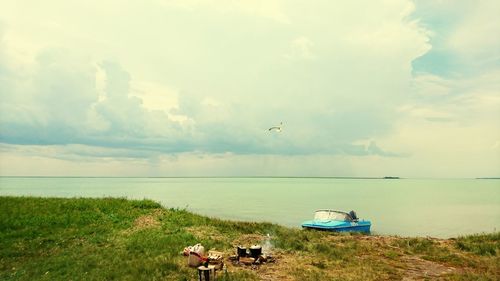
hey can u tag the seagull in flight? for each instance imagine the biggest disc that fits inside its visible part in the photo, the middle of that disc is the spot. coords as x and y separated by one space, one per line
277 128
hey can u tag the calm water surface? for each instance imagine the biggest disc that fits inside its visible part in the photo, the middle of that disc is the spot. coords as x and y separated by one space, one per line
406 207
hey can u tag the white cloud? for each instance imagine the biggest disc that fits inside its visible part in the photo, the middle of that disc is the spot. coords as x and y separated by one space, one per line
471 101
270 9
250 84
208 78
475 38
450 128
155 96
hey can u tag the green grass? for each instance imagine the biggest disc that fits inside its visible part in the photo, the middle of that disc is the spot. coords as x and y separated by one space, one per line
480 244
103 239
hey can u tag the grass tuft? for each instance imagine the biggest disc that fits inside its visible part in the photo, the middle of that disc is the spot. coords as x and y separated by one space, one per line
480 244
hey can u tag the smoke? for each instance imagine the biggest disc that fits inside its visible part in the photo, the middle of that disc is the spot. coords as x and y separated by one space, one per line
267 246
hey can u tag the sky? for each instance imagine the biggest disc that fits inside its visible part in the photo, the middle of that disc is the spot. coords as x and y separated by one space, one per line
190 88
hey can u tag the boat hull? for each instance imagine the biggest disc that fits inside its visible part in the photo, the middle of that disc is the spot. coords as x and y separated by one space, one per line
362 226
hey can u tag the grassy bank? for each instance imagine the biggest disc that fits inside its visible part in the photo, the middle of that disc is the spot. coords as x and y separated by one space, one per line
118 239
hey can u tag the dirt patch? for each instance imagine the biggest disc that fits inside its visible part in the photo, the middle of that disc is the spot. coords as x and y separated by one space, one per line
374 238
412 267
206 231
370 256
418 269
159 212
146 221
277 270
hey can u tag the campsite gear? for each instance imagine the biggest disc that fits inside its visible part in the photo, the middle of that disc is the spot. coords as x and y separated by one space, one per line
246 261
195 257
337 221
255 251
242 251
215 255
206 273
216 259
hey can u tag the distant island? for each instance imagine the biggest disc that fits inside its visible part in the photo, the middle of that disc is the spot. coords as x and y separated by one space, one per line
391 178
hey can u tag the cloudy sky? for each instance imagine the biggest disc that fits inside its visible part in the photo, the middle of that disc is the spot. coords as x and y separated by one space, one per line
190 88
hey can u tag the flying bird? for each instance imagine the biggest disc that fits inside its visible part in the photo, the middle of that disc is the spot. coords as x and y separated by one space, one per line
277 128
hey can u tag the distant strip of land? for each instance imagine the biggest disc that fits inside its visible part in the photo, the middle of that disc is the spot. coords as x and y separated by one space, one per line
119 239
204 177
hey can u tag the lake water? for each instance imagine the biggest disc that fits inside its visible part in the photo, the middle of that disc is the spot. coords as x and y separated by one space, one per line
406 207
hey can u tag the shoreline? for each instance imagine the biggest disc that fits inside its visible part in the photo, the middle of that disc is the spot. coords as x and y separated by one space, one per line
116 238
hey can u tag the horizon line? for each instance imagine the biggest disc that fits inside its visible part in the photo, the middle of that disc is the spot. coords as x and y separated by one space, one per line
283 177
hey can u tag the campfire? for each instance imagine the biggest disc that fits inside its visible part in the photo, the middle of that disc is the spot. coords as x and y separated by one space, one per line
214 263
252 255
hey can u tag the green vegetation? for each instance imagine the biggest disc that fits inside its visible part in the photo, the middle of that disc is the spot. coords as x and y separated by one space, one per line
484 245
118 239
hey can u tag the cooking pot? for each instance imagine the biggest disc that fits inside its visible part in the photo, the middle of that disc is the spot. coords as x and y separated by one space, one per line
242 251
255 251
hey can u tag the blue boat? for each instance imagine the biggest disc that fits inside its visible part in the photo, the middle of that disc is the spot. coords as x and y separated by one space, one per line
339 221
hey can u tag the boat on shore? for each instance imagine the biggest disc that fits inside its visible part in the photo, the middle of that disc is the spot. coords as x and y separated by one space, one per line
339 221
